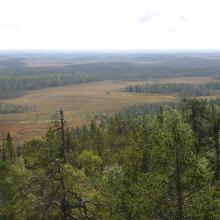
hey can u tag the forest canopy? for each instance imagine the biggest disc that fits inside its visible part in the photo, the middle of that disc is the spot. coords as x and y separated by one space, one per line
149 161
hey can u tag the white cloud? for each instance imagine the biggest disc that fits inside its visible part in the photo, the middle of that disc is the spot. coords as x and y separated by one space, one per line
109 24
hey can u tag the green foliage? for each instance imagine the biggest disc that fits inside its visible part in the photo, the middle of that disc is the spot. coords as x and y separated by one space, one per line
131 166
89 161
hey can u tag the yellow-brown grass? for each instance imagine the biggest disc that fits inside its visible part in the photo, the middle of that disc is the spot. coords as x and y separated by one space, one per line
77 101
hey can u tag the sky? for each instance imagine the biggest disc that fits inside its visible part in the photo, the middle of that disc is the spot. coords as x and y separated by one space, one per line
109 24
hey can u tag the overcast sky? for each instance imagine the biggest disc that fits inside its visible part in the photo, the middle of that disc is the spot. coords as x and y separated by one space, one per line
109 24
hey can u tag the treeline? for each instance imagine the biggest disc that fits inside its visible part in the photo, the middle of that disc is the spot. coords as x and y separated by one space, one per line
152 163
6 108
17 80
181 89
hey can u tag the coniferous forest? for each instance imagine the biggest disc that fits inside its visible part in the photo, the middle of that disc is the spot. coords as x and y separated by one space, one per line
180 89
18 74
147 162
109 110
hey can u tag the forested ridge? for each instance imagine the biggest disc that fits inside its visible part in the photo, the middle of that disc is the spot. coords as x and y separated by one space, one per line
16 77
149 162
15 82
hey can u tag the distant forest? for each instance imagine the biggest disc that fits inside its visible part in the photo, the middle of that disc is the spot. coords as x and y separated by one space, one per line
6 108
180 89
17 77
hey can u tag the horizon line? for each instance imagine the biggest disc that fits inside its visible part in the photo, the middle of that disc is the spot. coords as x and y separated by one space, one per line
106 50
